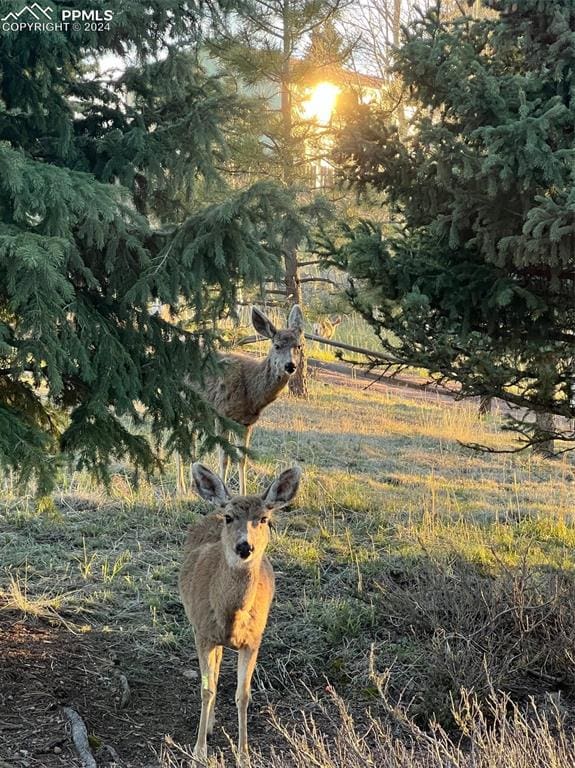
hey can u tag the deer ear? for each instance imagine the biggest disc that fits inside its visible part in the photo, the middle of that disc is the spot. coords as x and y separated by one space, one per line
283 489
262 324
209 486
295 319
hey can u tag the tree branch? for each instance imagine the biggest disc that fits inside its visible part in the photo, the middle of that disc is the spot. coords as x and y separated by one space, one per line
319 280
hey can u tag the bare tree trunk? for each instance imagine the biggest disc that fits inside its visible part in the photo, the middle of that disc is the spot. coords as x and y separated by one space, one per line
545 423
396 43
397 5
298 382
396 22
286 96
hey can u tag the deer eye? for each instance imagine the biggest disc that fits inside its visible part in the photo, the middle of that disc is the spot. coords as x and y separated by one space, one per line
229 519
263 520
276 346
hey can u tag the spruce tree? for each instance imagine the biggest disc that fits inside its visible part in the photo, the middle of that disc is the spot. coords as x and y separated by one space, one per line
280 49
476 280
99 213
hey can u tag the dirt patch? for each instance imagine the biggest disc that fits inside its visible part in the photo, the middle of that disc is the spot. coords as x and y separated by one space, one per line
343 375
411 387
44 668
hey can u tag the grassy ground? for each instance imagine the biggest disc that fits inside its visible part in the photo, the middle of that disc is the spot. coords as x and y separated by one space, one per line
410 568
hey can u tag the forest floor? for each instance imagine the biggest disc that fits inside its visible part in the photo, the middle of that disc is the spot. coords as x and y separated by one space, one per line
410 570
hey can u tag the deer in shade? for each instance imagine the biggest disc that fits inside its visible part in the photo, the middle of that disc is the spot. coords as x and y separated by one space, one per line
227 586
244 385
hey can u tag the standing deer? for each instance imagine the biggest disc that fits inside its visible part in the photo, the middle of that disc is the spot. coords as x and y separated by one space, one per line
326 327
246 386
227 586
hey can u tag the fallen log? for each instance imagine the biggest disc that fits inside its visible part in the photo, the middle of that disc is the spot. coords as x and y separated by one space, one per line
80 738
370 353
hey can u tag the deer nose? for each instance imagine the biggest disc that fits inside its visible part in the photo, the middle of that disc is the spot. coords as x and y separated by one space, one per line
290 367
244 549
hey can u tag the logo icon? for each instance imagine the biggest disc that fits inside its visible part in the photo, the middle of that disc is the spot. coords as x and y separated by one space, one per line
35 10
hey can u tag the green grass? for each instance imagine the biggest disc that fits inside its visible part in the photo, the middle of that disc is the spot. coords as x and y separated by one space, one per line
449 568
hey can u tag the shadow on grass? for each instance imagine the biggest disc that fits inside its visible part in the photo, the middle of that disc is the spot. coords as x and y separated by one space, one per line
344 451
439 626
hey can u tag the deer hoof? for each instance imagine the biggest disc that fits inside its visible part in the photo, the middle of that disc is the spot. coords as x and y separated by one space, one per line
200 755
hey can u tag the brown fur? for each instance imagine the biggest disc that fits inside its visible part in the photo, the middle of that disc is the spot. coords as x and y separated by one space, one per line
247 386
227 586
326 327
244 386
226 606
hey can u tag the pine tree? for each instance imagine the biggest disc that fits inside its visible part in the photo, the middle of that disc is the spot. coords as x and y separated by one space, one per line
281 47
475 281
99 212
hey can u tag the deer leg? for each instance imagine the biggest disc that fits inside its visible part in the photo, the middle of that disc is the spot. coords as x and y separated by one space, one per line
181 480
181 484
247 658
194 447
243 460
212 715
207 656
223 458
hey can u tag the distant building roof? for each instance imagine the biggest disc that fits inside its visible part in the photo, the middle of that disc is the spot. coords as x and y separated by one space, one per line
338 75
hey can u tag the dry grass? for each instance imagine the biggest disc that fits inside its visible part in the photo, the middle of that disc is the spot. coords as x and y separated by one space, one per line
448 568
47 604
494 734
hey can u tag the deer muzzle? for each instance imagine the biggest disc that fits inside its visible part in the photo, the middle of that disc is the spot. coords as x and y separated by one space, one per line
244 549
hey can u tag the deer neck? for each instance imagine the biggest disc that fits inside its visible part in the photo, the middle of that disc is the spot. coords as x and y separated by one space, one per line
266 385
238 586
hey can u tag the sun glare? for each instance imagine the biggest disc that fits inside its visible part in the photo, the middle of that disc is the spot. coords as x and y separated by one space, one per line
321 103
